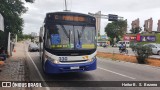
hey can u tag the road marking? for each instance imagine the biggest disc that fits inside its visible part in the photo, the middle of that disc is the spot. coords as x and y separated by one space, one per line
116 73
47 88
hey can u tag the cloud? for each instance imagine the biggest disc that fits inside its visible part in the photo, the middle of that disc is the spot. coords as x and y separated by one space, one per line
129 9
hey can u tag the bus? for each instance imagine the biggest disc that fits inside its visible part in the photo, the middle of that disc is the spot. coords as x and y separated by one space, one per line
68 43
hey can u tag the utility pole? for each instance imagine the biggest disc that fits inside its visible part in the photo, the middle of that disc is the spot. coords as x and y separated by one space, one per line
65 6
110 17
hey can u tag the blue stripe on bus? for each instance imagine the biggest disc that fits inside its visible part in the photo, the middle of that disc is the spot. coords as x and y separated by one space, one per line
64 68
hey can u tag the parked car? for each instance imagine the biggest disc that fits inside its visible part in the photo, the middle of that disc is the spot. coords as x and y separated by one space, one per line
155 48
33 47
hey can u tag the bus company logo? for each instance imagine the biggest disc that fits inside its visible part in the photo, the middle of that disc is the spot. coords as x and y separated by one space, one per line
6 84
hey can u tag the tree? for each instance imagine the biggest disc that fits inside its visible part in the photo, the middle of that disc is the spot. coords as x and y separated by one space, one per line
24 36
116 29
11 10
136 30
142 53
121 26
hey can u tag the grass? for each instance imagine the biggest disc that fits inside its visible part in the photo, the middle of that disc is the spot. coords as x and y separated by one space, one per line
127 58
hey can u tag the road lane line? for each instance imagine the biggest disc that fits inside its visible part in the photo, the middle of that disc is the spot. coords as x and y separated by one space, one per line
47 88
116 73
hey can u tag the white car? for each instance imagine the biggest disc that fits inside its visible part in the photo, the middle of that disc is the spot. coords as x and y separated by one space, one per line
33 47
155 48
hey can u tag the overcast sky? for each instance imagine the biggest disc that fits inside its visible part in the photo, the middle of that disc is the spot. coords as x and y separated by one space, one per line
129 9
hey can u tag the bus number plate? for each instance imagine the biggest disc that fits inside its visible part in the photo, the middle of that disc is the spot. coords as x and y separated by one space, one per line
74 67
62 59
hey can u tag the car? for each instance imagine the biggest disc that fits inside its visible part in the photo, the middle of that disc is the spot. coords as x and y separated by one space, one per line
33 47
155 47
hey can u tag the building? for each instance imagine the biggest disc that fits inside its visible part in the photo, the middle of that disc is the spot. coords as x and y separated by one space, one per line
158 28
135 23
148 24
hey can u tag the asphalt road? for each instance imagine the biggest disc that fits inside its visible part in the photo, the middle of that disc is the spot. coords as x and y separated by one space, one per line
107 70
116 50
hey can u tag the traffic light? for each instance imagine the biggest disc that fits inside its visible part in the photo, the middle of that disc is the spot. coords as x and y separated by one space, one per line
112 17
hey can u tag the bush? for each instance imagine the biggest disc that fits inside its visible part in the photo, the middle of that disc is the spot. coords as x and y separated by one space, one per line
142 53
133 46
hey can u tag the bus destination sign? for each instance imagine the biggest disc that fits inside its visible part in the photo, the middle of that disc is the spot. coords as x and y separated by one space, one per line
70 18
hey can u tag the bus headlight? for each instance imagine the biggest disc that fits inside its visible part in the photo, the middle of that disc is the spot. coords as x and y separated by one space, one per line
56 61
90 60
53 60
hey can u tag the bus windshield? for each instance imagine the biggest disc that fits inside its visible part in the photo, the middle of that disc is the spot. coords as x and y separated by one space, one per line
71 37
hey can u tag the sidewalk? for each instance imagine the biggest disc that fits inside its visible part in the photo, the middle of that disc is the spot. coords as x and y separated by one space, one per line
15 67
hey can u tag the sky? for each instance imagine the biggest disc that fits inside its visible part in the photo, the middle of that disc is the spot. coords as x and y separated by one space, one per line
128 9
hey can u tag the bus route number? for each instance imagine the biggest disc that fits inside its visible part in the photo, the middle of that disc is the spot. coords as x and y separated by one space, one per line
62 59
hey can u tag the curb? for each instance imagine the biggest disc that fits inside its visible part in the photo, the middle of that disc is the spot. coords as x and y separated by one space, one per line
130 55
130 62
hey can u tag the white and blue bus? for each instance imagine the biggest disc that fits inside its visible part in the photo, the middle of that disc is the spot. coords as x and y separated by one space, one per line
68 43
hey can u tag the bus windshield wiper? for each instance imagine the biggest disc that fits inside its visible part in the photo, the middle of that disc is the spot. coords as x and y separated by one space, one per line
68 35
82 31
65 31
80 34
78 37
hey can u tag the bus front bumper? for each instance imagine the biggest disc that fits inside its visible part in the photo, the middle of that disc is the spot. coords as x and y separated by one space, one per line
52 68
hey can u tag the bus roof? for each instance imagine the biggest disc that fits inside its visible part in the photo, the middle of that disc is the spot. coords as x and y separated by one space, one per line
67 13
64 12
67 18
